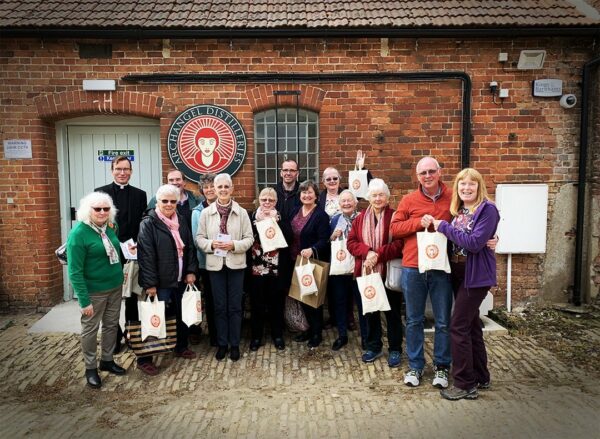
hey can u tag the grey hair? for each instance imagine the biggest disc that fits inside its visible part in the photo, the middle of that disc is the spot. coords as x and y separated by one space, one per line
167 189
84 212
348 191
332 169
437 164
225 177
378 185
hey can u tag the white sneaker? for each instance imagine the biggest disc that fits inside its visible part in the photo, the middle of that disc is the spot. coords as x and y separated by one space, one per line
440 377
412 378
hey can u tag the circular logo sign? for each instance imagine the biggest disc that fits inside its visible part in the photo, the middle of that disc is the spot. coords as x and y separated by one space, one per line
306 280
270 232
206 139
369 292
155 321
356 184
198 306
340 255
432 251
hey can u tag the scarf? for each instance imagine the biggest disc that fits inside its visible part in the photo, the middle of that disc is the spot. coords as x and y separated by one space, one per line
224 211
344 223
111 251
372 234
262 214
173 226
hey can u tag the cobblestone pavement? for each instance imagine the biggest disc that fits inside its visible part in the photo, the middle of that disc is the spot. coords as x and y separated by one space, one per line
293 393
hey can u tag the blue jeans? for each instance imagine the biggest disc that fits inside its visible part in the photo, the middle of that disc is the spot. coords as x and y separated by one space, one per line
417 286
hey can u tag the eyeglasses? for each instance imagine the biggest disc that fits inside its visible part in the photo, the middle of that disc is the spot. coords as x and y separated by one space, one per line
427 172
289 171
119 170
168 201
101 209
332 179
267 200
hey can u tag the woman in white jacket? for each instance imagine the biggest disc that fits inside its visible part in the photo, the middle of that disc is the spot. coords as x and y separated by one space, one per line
224 235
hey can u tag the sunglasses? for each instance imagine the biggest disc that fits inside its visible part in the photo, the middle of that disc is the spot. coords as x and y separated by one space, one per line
267 200
332 179
101 209
427 172
168 201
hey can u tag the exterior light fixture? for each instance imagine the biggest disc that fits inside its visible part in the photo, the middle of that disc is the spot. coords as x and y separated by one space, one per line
531 59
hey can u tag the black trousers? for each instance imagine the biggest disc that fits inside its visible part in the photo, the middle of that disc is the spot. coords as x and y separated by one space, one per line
266 298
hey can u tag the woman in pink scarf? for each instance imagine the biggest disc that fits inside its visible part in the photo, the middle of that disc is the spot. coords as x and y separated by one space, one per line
167 260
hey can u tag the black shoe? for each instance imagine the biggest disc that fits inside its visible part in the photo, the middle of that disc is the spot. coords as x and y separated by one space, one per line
93 379
213 343
339 343
221 352
303 336
112 367
255 344
234 355
314 341
279 343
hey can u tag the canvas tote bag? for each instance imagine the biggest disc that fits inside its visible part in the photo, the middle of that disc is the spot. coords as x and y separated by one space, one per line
358 182
152 317
191 305
342 262
372 292
433 254
270 235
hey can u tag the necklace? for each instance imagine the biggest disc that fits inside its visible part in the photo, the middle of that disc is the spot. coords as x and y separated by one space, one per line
305 212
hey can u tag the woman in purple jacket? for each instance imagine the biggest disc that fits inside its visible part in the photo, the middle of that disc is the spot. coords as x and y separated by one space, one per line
473 273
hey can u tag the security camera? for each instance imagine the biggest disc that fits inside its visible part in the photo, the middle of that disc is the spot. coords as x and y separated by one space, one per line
568 101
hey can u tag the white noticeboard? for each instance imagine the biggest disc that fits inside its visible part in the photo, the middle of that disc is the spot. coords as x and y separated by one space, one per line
523 221
523 218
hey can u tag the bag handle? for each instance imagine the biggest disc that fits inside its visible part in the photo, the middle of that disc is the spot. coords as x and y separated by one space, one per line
365 268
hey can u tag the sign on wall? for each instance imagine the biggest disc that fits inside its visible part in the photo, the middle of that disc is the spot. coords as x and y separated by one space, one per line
107 155
547 87
206 139
17 149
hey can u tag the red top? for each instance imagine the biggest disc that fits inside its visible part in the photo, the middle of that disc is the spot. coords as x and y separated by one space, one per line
407 219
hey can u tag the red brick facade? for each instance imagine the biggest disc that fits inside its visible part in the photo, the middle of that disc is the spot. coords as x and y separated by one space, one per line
520 140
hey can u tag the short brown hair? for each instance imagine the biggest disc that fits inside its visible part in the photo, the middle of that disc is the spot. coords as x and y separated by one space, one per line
120 158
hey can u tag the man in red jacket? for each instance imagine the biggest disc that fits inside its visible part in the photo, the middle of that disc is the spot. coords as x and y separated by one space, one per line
431 199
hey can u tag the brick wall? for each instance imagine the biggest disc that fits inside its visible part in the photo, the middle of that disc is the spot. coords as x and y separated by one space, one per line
523 139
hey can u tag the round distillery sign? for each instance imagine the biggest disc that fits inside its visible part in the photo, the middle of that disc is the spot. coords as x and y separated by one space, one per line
206 139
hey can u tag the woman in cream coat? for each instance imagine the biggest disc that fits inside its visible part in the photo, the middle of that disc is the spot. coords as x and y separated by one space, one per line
224 235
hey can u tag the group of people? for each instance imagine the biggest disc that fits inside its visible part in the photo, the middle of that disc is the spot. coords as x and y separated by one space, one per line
183 240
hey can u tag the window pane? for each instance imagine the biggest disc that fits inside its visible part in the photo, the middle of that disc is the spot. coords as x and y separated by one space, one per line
260 131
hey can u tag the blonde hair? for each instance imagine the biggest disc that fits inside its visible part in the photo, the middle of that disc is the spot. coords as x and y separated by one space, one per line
268 191
482 194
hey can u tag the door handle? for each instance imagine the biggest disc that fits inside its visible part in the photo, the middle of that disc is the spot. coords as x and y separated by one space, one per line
73 213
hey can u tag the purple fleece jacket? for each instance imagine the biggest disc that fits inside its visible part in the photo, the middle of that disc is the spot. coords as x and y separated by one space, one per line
480 269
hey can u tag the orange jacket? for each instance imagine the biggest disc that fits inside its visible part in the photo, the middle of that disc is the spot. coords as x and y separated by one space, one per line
406 221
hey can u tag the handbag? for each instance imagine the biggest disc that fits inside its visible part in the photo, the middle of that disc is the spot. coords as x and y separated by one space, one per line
191 306
152 345
294 316
61 254
152 317
393 278
432 251
358 182
321 275
270 235
372 292
131 271
342 262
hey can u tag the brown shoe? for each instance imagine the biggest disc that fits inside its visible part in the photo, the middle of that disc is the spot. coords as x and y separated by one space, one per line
187 354
148 368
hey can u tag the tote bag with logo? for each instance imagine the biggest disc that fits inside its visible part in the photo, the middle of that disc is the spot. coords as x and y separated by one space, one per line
270 235
342 262
433 254
152 317
372 292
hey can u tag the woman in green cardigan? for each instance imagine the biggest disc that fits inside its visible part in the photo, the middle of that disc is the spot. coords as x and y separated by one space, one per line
96 274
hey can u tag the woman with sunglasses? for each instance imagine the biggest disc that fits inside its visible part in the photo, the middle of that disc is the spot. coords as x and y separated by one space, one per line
96 274
167 260
267 292
225 235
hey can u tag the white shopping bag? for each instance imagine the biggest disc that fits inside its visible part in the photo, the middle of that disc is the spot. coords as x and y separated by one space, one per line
130 279
152 317
191 306
358 183
372 292
342 262
306 278
433 254
271 236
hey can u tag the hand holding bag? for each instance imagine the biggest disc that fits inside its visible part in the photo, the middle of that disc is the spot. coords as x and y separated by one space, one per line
270 235
433 254
372 292
358 183
191 306
152 317
321 275
342 262
393 278
306 278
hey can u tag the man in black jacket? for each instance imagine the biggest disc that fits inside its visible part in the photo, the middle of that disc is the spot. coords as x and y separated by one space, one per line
130 203
288 197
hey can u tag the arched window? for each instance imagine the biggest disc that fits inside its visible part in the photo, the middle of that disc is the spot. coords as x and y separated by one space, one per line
290 134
